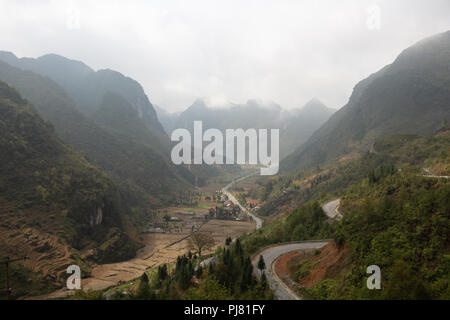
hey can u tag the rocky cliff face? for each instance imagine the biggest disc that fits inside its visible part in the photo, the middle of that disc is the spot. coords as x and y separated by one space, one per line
97 217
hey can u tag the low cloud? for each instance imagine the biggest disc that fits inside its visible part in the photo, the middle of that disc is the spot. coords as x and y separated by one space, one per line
283 51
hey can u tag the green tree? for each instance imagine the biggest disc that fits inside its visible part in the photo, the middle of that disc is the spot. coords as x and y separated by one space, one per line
143 291
162 273
261 264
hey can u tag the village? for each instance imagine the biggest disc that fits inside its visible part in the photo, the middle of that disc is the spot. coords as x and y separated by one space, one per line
194 211
166 233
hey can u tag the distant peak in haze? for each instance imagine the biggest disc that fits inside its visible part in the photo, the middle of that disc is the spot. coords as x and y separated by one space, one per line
62 62
7 55
314 104
198 104
263 104
205 103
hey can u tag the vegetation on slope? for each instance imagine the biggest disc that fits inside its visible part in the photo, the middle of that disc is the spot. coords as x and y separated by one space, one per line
400 223
229 278
63 195
395 216
142 170
307 222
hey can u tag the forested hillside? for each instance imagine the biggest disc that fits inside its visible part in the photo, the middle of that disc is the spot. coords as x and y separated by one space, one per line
396 216
53 203
134 159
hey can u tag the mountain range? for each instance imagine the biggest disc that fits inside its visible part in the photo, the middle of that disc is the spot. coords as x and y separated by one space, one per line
295 125
84 157
135 151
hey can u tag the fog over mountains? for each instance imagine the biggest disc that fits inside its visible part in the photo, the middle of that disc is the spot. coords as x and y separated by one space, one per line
85 157
86 86
124 138
296 125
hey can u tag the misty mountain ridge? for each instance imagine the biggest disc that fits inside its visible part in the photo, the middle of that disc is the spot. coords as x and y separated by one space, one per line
122 148
409 96
296 125
86 86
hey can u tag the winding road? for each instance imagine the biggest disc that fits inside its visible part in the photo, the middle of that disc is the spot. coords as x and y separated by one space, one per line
428 174
258 221
331 209
272 253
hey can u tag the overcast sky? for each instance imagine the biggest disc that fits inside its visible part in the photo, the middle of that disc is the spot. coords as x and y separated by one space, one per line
226 51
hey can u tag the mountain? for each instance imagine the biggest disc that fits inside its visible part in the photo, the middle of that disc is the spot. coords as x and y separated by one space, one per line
295 125
143 165
252 114
86 86
410 96
299 124
53 203
168 120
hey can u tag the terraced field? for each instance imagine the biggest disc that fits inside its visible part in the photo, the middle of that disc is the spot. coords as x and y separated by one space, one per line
31 233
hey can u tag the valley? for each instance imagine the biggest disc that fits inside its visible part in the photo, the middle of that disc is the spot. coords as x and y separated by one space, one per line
163 247
88 177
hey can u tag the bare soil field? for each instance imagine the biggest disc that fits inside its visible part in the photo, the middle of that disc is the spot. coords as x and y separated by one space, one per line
159 248
329 263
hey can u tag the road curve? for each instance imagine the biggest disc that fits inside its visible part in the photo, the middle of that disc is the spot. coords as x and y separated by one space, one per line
428 174
331 209
280 289
258 221
270 254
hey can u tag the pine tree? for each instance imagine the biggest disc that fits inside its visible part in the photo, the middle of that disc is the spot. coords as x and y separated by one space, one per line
162 273
263 280
261 264
143 291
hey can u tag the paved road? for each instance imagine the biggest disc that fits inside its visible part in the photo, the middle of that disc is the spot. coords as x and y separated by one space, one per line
281 291
331 209
428 174
236 202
